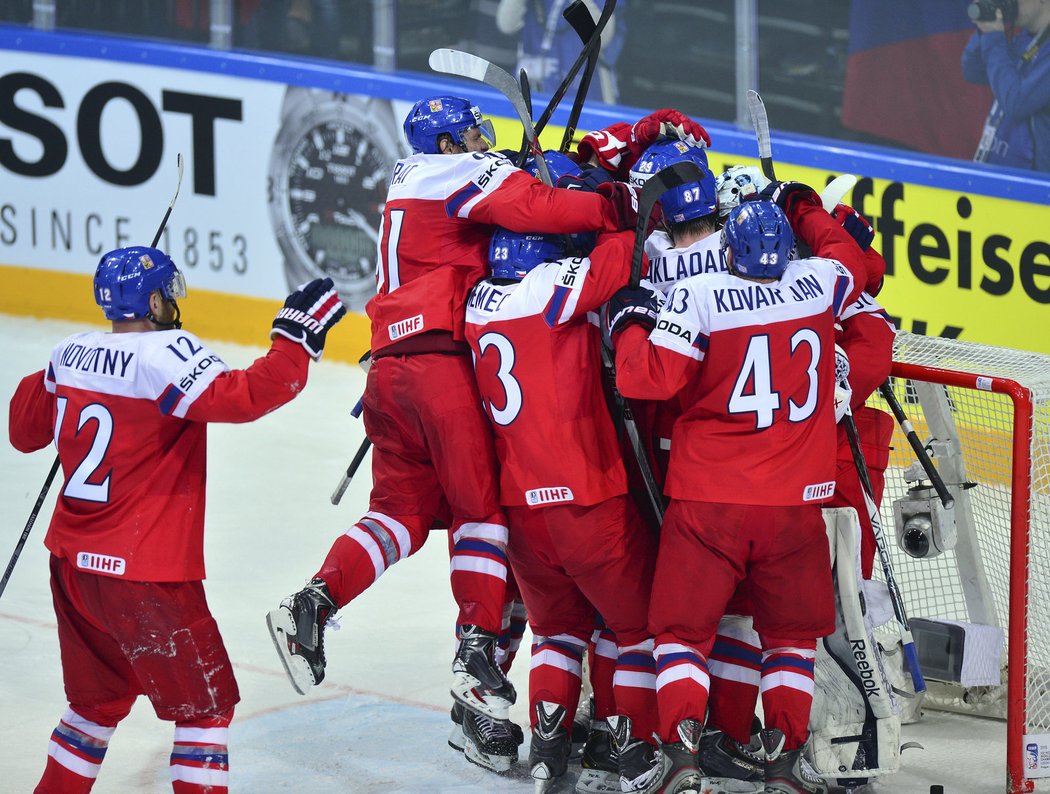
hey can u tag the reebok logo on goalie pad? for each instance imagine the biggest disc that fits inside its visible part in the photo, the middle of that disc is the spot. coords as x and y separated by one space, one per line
818 492
864 667
103 563
546 496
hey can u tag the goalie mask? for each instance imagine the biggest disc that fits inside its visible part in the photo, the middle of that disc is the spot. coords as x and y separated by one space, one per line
760 238
735 183
512 254
689 200
125 278
429 119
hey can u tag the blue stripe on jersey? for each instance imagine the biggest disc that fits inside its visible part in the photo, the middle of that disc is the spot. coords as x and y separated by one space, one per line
841 285
701 342
169 399
51 373
459 198
554 308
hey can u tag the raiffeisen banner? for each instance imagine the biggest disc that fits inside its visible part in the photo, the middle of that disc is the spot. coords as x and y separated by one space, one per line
286 165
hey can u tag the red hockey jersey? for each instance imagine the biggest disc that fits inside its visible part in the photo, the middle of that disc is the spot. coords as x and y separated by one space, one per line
436 228
128 411
536 351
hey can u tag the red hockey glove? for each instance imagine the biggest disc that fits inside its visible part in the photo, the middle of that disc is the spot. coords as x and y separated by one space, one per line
624 201
609 146
855 225
789 196
667 123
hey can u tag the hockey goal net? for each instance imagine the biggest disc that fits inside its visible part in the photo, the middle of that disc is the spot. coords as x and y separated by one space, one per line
985 414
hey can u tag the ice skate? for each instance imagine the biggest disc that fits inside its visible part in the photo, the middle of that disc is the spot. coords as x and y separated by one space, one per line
491 744
639 762
549 753
731 767
600 763
477 681
674 767
297 628
788 771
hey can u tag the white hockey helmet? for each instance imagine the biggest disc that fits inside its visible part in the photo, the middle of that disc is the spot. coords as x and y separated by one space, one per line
736 182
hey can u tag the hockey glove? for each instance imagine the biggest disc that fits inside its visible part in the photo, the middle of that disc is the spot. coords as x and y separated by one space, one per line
308 314
855 224
667 123
790 195
608 147
589 180
843 392
624 202
629 305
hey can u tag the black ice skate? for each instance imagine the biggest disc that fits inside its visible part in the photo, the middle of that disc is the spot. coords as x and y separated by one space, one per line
549 753
600 763
639 762
788 771
731 767
489 743
477 681
297 627
675 770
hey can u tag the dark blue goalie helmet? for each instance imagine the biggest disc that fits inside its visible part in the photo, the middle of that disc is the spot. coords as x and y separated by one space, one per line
430 118
689 200
513 254
125 278
759 236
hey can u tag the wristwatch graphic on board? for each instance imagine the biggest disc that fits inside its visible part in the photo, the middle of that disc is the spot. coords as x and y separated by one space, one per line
328 176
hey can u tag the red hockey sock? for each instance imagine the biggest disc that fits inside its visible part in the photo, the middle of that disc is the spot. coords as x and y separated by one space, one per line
603 668
361 555
199 756
75 754
736 669
634 687
556 674
787 690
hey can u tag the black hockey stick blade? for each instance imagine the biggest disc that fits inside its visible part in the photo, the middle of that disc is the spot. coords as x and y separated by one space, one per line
886 390
760 121
658 184
592 43
464 64
167 212
580 20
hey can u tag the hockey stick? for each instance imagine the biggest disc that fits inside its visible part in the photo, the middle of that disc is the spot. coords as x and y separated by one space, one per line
464 64
907 641
526 94
584 26
54 466
351 470
833 192
654 187
592 43
760 122
886 390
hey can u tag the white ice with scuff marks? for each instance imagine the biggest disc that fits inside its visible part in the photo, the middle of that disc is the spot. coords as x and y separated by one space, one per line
379 722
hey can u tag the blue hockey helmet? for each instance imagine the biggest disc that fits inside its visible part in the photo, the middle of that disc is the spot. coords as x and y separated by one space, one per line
689 200
760 238
429 119
558 163
513 254
125 278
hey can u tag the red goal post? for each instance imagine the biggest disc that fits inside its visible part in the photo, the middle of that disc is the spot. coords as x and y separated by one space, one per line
985 414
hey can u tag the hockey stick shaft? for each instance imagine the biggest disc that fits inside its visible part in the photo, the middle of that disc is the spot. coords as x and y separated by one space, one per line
907 641
351 470
886 390
593 42
658 184
29 525
54 466
760 121
464 64
526 93
584 26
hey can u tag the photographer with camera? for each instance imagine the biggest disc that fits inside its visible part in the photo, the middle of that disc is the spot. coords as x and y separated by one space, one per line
1017 131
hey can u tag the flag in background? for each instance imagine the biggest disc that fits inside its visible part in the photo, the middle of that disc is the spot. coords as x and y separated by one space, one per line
904 79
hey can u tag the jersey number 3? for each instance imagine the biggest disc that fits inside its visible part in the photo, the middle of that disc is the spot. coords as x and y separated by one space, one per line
754 392
78 486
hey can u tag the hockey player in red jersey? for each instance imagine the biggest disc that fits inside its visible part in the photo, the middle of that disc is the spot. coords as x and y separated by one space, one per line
433 461
752 354
577 542
128 411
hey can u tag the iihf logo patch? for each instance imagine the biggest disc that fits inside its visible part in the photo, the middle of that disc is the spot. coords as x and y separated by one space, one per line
435 105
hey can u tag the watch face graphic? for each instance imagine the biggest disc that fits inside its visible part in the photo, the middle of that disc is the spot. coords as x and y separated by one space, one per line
329 183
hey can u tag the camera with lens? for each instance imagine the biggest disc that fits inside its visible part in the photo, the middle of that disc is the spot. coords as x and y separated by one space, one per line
925 528
984 10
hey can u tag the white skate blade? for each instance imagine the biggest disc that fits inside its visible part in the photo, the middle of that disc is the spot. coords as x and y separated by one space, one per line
595 781
457 740
281 625
727 785
499 764
465 689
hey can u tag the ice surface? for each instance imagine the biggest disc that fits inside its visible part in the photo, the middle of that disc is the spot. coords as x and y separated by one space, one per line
379 721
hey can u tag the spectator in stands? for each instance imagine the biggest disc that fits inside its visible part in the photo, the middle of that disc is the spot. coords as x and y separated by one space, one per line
1017 132
548 45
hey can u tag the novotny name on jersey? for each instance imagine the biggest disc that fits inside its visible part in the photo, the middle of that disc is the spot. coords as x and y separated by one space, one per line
102 563
819 491
663 269
99 360
546 496
757 296
405 327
